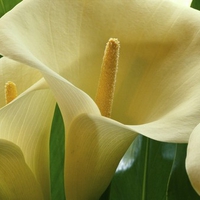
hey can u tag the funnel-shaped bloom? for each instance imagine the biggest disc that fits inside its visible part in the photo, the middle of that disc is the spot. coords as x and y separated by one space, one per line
157 91
26 121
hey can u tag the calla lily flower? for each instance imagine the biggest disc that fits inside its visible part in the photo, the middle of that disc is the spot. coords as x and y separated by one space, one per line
26 121
157 90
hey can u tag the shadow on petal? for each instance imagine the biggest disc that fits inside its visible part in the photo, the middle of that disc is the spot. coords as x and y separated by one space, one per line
94 147
16 179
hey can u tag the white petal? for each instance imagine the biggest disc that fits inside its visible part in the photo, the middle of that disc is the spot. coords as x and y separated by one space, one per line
16 179
183 2
193 159
26 122
94 147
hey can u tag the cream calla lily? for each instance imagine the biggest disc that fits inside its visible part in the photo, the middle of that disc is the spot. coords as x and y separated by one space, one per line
26 121
157 90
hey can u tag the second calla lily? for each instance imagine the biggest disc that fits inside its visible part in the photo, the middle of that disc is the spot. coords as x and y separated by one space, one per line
26 121
157 90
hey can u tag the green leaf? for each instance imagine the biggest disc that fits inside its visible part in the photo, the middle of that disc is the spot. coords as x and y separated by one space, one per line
57 142
145 172
195 4
179 186
6 5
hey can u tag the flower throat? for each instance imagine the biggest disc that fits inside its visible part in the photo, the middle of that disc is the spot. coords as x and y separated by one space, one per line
107 80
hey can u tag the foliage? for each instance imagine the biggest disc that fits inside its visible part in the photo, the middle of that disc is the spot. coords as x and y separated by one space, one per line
195 4
6 5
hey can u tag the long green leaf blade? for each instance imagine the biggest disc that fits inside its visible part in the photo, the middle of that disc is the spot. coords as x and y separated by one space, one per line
147 171
195 4
57 156
179 187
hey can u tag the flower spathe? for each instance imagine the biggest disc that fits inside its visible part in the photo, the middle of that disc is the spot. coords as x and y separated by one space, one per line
157 90
26 121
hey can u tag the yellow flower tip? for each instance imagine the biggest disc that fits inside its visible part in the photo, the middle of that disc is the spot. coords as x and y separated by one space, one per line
10 91
107 80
